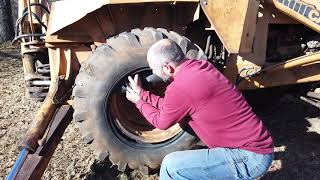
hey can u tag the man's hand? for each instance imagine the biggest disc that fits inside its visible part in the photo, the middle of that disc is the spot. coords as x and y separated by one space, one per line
134 88
135 83
131 95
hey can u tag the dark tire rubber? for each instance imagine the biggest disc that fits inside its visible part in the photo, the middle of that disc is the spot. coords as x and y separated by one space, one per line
105 67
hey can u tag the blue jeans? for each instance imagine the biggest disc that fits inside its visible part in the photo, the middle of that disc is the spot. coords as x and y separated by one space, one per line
215 163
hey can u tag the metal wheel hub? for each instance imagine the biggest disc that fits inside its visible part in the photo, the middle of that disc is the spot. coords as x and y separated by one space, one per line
132 123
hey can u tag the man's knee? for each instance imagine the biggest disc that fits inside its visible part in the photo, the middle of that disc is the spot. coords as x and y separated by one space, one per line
170 163
170 160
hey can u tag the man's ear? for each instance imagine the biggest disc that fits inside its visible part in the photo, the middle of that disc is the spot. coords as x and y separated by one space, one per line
168 68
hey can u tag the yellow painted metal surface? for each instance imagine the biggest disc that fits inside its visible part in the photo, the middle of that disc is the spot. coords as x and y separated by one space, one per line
299 70
301 74
303 12
234 21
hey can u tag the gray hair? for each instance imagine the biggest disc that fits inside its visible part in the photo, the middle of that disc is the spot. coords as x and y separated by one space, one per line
165 51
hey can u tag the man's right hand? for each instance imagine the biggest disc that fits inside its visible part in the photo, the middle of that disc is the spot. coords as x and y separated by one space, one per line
135 83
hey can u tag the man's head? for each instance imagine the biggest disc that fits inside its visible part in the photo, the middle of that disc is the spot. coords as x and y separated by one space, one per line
164 57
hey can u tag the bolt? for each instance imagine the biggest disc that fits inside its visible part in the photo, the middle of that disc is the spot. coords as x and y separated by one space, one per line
205 3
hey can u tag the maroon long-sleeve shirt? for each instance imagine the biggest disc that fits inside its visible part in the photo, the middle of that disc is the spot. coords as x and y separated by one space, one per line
220 116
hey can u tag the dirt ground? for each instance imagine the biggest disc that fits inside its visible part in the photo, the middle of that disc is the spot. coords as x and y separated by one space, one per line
294 125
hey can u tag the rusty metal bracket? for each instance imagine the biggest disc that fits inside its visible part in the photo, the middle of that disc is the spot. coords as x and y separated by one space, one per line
57 91
35 164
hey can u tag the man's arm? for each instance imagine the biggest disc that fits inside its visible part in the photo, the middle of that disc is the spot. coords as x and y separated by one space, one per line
136 87
174 106
154 100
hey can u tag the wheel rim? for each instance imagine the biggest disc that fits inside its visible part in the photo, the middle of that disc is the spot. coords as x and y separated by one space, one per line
130 121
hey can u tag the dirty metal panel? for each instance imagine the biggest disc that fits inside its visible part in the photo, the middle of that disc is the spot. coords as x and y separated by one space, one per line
234 21
114 19
64 13
258 56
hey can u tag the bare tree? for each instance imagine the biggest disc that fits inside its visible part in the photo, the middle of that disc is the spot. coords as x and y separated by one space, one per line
6 25
14 10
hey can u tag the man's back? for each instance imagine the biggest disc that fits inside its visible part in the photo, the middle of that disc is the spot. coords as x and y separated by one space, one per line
220 115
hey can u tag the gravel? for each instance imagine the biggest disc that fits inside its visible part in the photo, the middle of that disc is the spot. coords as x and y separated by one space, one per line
294 125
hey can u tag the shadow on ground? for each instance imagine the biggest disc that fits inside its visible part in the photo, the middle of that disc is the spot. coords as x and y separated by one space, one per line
105 170
9 51
4 55
295 128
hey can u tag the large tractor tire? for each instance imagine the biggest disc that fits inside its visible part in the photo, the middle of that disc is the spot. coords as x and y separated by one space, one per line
111 124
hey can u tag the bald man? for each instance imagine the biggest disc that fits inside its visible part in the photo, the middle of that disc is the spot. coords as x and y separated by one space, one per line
239 146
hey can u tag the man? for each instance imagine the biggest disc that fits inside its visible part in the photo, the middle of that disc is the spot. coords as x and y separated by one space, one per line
239 146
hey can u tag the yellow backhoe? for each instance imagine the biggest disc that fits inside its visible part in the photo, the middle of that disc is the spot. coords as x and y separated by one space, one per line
78 53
